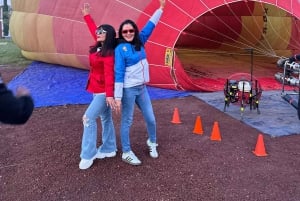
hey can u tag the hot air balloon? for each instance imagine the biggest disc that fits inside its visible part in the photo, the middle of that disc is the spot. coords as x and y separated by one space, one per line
196 44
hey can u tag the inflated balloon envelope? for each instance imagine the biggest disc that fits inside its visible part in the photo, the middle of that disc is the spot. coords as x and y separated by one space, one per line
203 40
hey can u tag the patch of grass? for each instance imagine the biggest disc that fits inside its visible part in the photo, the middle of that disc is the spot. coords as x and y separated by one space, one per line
10 54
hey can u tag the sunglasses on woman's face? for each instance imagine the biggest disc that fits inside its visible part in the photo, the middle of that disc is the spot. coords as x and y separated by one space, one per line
127 31
100 31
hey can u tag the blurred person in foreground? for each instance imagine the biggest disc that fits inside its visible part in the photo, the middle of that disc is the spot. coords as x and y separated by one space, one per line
15 109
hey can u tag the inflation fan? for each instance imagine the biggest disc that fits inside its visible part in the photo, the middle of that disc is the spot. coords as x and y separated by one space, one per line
243 89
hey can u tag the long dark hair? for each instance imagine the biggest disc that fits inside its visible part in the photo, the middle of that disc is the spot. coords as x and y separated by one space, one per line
136 40
109 44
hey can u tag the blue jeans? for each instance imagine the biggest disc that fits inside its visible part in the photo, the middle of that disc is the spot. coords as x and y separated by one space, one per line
97 108
131 96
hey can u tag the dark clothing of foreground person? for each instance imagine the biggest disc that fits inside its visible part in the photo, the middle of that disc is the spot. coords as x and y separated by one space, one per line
15 109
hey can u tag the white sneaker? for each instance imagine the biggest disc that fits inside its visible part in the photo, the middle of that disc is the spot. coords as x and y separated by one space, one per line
86 163
102 155
152 148
129 157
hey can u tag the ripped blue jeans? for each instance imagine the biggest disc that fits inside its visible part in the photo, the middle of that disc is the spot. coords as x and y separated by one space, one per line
97 108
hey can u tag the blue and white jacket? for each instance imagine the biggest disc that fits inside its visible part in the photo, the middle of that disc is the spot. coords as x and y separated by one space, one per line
131 66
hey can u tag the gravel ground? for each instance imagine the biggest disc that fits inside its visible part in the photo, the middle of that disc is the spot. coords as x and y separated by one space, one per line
39 160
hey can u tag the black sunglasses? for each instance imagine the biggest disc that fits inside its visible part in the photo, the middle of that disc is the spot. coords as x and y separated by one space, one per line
128 31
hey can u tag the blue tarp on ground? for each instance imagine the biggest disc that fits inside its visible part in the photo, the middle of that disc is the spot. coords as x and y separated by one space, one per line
53 85
277 117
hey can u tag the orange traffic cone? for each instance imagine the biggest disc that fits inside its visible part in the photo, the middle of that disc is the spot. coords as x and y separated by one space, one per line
260 146
215 134
198 126
176 117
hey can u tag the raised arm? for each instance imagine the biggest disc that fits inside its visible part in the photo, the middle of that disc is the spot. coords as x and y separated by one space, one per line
89 20
149 27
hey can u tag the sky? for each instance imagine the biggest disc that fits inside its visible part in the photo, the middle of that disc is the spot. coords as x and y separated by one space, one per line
2 2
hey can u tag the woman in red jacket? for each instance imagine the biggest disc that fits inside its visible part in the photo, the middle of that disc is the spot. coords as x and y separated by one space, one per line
101 84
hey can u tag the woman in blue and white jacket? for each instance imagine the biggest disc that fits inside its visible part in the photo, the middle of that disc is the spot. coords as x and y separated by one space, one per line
131 74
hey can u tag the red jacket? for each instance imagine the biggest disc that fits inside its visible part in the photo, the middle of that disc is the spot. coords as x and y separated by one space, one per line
101 76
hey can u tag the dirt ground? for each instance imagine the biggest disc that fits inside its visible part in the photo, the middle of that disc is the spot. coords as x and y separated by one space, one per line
39 160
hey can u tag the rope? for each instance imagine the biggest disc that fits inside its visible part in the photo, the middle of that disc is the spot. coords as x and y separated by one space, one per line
220 33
